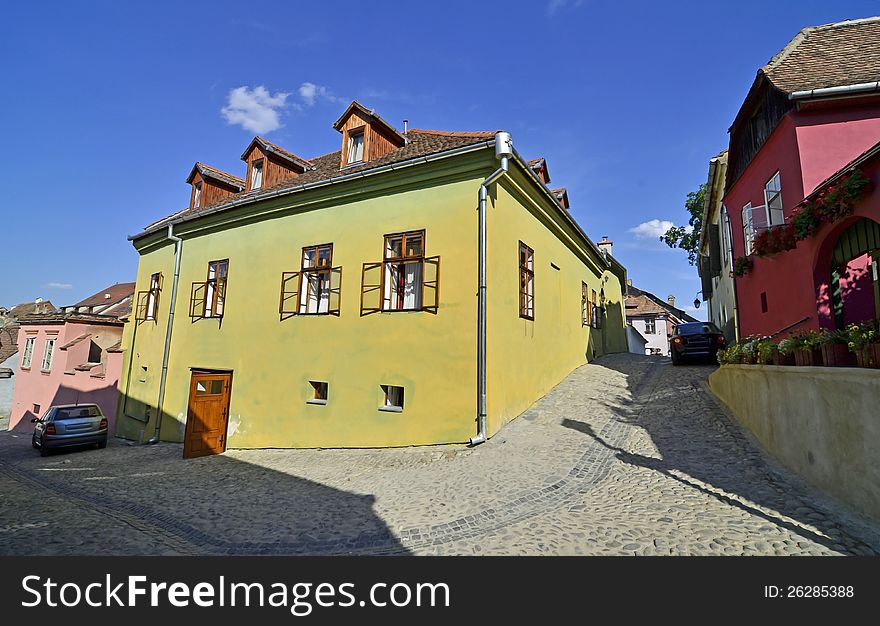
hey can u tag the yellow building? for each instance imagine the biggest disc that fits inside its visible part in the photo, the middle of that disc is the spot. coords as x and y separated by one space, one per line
338 301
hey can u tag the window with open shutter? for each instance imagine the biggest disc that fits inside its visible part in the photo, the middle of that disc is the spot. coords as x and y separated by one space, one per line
140 312
335 291
289 303
197 301
431 284
371 288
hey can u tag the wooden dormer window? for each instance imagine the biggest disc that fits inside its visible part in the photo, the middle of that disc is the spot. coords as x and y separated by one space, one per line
365 135
256 175
355 146
210 185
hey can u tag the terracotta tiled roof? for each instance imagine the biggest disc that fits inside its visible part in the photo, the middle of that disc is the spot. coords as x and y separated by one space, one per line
843 53
642 305
8 341
29 308
421 143
479 134
270 147
117 293
212 172
60 318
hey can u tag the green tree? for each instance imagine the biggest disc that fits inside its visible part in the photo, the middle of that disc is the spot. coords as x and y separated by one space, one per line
688 237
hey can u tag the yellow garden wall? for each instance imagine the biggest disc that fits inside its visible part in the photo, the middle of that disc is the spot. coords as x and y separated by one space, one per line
821 422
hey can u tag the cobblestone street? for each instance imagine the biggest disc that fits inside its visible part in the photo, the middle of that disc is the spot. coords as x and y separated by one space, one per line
627 456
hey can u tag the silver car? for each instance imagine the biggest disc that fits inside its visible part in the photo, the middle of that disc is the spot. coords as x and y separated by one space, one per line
69 425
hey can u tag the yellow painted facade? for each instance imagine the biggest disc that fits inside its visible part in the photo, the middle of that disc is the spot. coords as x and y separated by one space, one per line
433 356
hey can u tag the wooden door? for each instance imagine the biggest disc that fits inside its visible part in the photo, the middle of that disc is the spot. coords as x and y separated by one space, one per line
208 414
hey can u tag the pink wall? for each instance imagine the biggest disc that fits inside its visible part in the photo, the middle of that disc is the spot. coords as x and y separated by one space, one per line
806 148
828 140
63 384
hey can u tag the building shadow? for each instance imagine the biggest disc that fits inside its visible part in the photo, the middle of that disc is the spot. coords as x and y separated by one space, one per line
712 456
218 505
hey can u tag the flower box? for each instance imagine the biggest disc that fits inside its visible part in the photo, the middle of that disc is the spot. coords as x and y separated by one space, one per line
807 356
869 356
837 355
782 359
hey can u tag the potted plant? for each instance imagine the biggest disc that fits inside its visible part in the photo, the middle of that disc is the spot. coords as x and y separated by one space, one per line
835 352
764 349
748 350
784 353
806 348
729 355
863 340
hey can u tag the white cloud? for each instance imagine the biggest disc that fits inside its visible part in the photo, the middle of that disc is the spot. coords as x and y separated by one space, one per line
256 110
58 286
652 229
555 5
310 93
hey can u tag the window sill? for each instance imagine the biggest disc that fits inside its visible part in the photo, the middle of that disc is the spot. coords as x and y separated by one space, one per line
42 371
316 401
391 409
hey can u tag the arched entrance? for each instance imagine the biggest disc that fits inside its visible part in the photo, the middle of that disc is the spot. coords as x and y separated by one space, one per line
855 263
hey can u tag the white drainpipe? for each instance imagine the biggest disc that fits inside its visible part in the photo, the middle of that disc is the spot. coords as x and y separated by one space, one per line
178 245
503 150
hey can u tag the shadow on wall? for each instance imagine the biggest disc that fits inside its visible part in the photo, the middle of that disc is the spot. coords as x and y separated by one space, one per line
709 459
105 397
223 504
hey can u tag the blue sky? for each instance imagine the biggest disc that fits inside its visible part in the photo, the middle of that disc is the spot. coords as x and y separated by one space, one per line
107 105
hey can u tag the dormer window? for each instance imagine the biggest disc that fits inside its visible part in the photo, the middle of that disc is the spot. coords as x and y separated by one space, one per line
365 136
197 198
355 146
257 175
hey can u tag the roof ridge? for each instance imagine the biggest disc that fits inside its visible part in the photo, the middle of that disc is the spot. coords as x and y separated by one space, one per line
284 152
454 133
217 169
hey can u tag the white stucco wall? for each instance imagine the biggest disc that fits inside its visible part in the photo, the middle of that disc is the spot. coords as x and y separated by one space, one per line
7 385
722 303
657 340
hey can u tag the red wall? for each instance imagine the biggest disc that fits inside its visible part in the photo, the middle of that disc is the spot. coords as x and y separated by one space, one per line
806 148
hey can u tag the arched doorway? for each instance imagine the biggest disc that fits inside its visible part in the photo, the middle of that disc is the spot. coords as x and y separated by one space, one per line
855 264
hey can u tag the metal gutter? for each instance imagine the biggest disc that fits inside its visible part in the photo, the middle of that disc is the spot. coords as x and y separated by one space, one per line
842 90
178 245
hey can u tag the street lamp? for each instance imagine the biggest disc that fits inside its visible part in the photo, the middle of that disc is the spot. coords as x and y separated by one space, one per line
697 299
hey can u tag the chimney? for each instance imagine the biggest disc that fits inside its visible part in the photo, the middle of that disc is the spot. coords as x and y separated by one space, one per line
406 130
605 245
671 300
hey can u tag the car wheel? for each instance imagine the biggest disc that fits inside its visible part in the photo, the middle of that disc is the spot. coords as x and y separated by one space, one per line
676 360
44 451
102 444
34 441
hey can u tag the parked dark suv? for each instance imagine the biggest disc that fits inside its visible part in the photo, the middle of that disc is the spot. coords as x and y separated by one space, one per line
69 425
696 340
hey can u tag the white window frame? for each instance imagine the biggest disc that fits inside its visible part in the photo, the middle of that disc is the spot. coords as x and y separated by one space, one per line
27 356
48 355
356 150
653 326
748 229
257 174
771 194
726 240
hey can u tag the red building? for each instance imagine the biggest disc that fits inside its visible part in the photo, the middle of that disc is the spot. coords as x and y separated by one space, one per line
809 127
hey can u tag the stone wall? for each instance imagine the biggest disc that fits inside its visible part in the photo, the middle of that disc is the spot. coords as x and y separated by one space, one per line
821 422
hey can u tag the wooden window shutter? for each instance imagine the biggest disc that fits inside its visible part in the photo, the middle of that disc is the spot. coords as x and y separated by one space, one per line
371 288
714 250
288 305
197 301
335 294
143 299
705 278
431 284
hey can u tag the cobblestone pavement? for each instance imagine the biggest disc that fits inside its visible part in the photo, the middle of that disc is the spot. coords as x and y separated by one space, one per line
627 456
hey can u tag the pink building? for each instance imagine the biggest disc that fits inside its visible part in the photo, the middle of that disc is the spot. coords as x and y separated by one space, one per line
71 356
810 122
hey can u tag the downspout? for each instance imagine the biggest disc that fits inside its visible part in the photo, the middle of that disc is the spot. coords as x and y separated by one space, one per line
503 150
178 245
